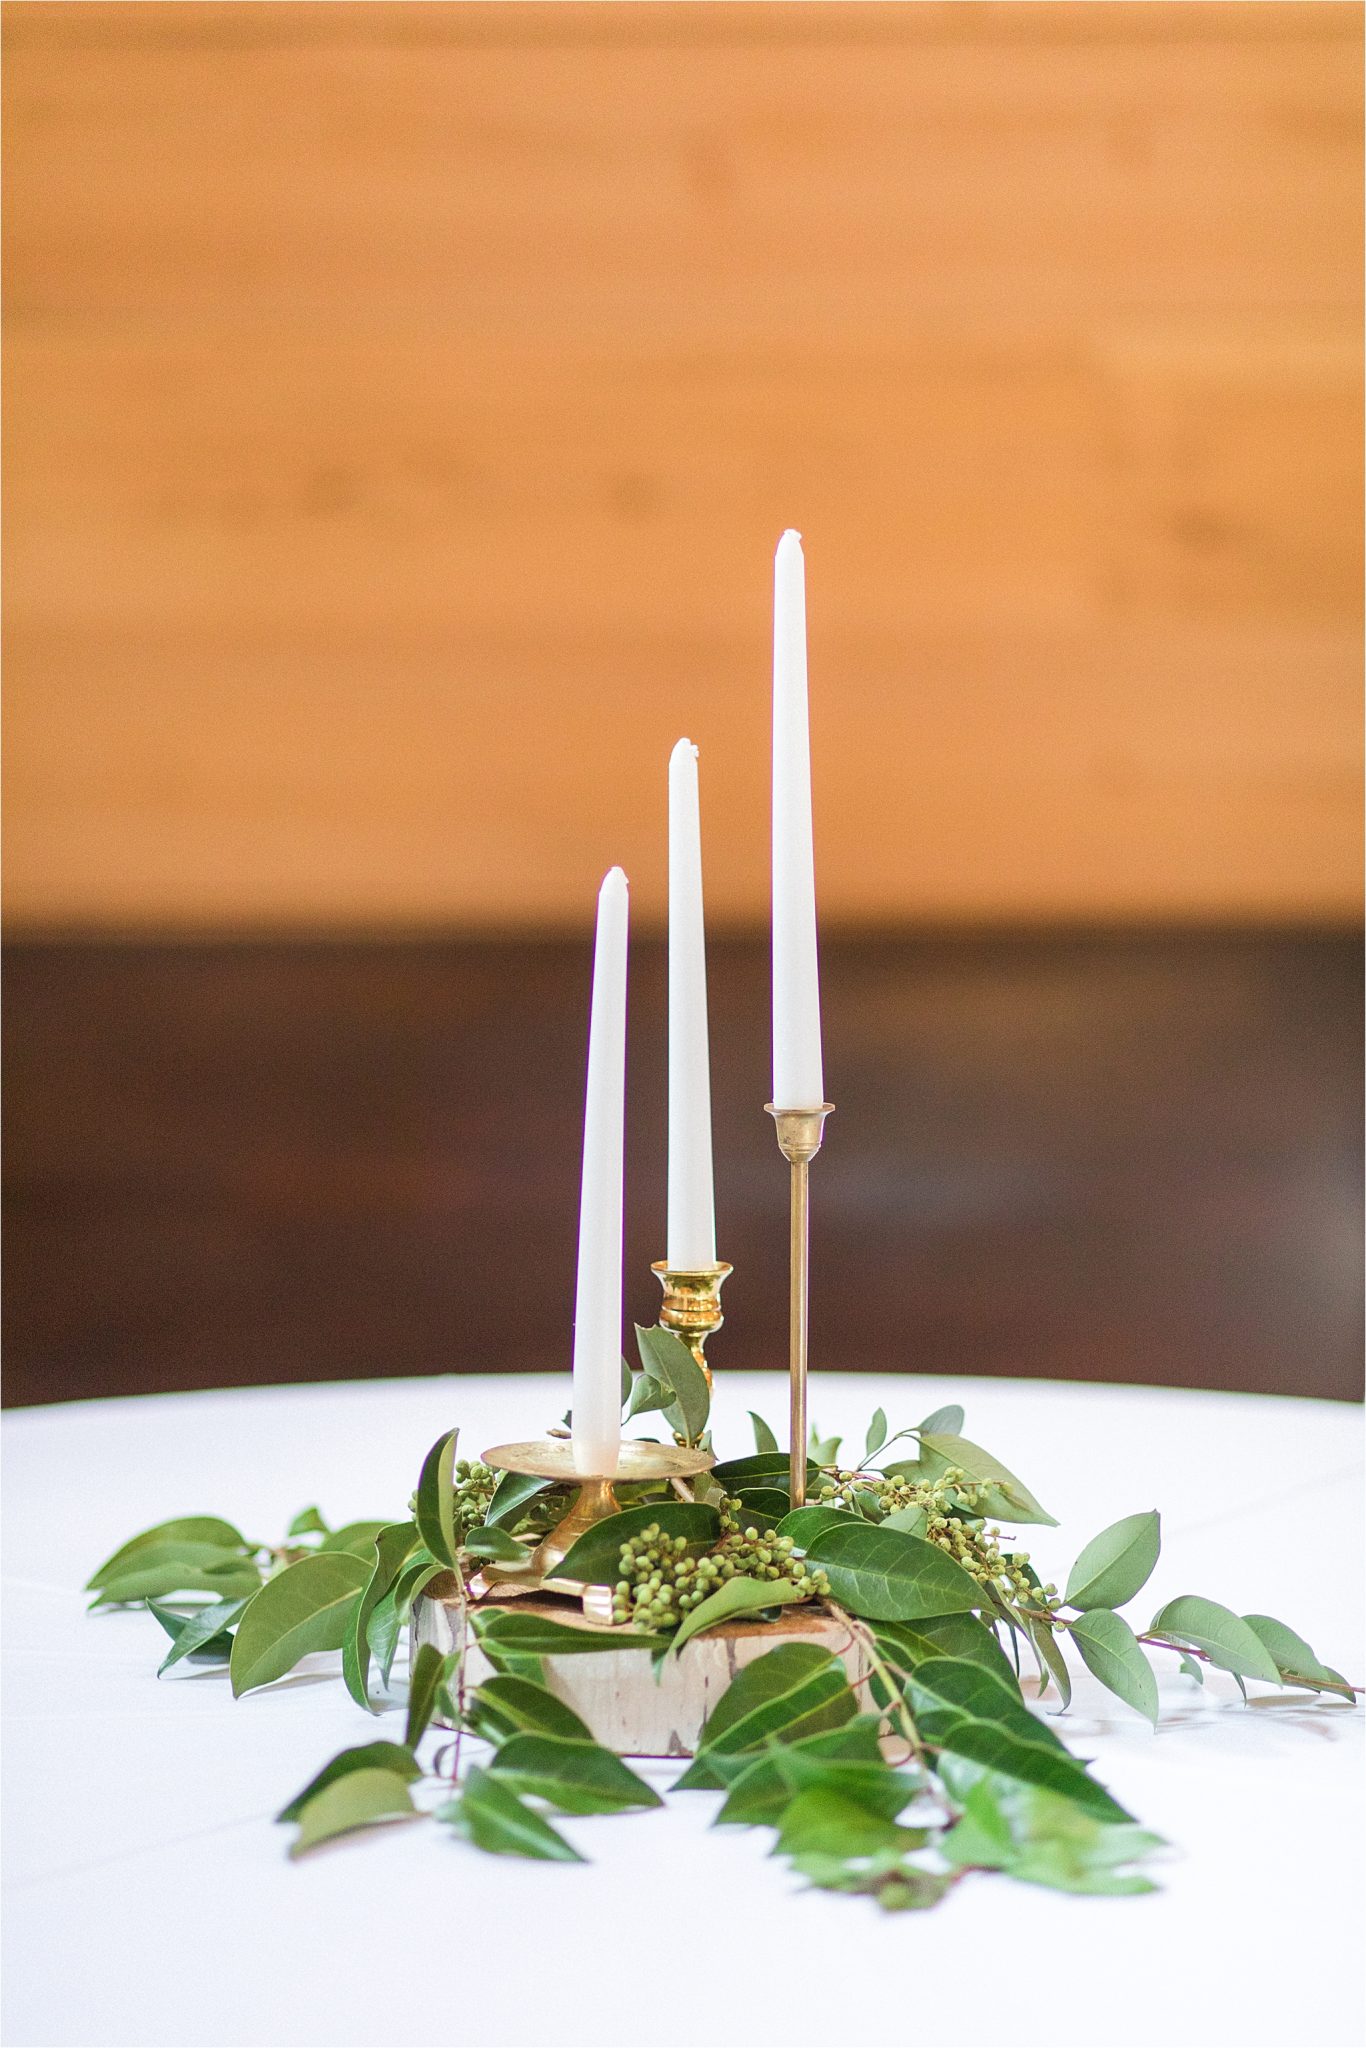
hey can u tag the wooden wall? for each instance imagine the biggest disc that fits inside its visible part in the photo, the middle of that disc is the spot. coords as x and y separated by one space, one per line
1124 1156
403 402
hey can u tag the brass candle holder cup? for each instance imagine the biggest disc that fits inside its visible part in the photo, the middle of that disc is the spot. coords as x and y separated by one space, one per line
692 1303
800 1132
553 1458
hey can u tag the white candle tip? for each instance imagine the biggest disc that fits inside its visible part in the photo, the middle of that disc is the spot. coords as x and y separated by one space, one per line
682 751
614 879
791 541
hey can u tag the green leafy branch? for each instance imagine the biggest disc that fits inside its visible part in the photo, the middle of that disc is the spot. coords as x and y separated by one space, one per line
893 1779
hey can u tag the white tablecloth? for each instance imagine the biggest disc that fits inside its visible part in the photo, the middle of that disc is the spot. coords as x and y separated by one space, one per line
149 1900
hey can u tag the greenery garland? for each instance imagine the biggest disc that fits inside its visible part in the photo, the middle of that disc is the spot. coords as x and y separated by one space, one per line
898 1787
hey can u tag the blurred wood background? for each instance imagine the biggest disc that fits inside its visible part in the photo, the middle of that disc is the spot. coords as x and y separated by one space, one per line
403 403
1084 1155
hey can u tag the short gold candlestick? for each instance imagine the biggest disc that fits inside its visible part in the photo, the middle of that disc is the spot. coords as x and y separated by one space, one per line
800 1132
692 1303
553 1458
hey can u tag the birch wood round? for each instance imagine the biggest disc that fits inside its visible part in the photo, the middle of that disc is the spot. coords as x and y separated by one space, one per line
617 1692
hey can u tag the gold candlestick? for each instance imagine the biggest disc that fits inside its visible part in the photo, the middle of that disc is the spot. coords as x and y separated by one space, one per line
692 1303
800 1132
553 1458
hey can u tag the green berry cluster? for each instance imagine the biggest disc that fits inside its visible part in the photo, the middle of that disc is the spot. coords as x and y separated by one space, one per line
662 1579
978 1550
948 1502
879 1494
472 1484
750 1553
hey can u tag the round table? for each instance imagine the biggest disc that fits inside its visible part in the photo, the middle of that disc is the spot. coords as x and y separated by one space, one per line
150 1901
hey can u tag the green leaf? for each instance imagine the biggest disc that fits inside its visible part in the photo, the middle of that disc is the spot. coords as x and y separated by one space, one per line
490 1542
910 1521
823 1822
1225 1640
1294 1659
764 1439
394 1545
385 1625
304 1608
1109 1648
308 1522
1116 1564
855 1741
203 1637
1031 1763
823 1450
732 1597
1051 1660
504 1632
491 1816
1005 1495
647 1395
760 1468
180 1567
944 1421
1193 1670
355 1800
1035 1836
796 1690
435 1508
510 1664
504 1706
886 1575
573 1776
370 1756
165 1537
944 1689
766 1787
803 1525
877 1435
907 1644
512 1493
419 1572
429 1673
666 1357
357 1537
763 1507
596 1557
893 1884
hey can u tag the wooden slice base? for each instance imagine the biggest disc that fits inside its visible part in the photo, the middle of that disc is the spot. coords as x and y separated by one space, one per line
615 1691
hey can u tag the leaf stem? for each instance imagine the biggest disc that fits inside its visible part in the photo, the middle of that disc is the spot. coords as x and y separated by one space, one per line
896 1699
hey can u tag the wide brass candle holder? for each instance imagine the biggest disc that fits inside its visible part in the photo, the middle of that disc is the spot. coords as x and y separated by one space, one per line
692 1303
594 1501
800 1132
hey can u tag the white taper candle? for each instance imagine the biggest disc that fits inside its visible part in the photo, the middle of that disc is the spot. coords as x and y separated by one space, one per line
597 1300
798 1082
691 1235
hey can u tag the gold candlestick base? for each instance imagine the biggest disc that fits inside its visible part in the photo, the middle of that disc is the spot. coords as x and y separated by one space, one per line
553 1458
800 1132
692 1303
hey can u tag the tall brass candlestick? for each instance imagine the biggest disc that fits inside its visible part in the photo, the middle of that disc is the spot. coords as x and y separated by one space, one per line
800 1132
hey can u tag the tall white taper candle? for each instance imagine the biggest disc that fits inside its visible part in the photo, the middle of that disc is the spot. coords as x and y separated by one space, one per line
691 1236
597 1300
798 1082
